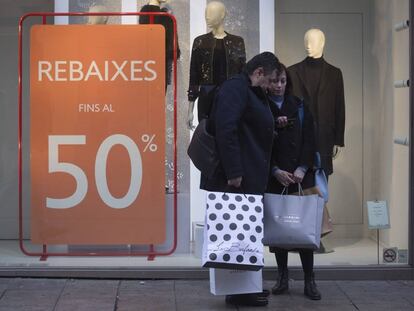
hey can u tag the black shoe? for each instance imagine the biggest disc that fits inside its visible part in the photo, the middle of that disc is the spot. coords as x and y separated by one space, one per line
251 300
265 293
282 284
311 291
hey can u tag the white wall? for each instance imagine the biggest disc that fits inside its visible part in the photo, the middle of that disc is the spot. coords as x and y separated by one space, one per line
390 56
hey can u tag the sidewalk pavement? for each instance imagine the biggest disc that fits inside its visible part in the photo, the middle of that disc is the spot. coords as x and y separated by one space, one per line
17 294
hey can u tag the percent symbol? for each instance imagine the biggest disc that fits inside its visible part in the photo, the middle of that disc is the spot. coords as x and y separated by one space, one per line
149 140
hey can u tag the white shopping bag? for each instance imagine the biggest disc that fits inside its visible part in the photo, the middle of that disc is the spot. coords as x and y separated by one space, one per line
232 282
233 231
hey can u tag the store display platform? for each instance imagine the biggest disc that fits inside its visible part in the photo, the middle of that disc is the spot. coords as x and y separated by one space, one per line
348 252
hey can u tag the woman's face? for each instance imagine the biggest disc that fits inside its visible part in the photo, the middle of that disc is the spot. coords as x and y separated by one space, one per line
278 86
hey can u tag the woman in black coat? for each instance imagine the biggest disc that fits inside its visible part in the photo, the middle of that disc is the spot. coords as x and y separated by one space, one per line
243 125
292 164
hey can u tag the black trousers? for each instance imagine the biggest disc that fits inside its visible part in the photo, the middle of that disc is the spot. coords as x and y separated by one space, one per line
306 257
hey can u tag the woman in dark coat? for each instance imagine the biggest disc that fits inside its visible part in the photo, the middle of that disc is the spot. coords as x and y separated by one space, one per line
292 164
243 126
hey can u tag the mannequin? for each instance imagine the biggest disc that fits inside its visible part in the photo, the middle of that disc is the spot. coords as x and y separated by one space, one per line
321 86
96 20
155 6
215 57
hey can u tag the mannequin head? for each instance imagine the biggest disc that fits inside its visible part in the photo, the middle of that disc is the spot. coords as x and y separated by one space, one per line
215 14
314 43
95 20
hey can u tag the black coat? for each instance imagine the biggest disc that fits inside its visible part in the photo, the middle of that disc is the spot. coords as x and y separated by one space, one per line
293 146
201 64
167 22
244 129
328 109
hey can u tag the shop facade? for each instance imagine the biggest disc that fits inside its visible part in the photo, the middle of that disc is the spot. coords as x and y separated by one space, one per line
369 41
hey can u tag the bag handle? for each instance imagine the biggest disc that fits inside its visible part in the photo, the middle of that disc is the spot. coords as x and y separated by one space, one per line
229 188
301 193
300 190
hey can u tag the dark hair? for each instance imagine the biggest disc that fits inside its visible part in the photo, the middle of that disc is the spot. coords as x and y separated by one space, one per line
282 68
267 60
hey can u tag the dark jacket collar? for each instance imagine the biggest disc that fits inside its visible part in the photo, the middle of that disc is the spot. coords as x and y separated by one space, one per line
257 90
324 79
289 107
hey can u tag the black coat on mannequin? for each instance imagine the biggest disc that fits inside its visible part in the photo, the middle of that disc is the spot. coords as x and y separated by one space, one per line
327 108
169 36
202 55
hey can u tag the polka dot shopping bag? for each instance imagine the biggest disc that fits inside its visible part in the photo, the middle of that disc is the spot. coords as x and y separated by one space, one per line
233 231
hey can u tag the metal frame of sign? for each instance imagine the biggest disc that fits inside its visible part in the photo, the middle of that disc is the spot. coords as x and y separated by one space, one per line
151 253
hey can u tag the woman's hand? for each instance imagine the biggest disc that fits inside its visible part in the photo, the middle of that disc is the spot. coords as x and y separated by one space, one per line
281 122
235 182
285 178
299 174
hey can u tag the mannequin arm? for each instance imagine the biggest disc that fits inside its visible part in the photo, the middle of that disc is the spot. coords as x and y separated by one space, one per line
190 116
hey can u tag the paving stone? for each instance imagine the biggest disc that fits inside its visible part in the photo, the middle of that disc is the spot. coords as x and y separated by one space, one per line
402 283
365 284
92 288
197 288
26 299
385 307
6 281
86 304
88 295
129 300
25 308
216 303
100 295
39 284
147 285
321 307
2 290
409 297
372 292
197 293
91 284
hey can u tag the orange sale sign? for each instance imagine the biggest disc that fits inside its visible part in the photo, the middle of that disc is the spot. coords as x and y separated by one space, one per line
97 126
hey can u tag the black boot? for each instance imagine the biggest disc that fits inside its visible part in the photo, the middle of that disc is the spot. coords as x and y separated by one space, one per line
252 300
311 291
282 284
265 293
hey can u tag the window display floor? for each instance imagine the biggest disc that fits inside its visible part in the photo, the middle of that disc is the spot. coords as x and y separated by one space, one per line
357 252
